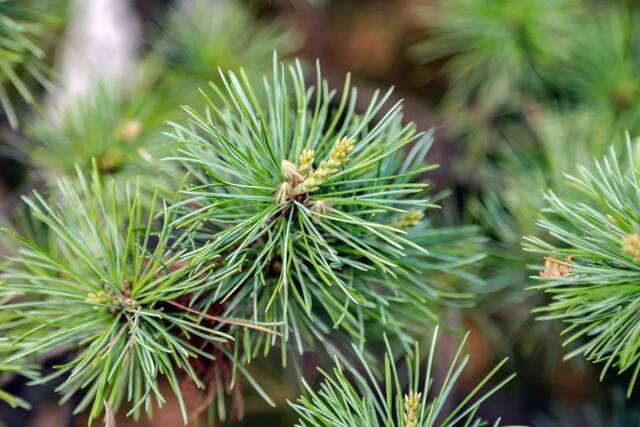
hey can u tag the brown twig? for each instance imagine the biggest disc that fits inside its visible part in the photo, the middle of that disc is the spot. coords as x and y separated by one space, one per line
224 319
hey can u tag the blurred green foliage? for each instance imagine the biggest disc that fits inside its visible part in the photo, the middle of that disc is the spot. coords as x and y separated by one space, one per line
26 30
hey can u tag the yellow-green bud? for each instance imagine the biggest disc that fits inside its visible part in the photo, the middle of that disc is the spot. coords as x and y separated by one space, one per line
307 158
631 245
411 409
337 157
408 220
321 207
99 298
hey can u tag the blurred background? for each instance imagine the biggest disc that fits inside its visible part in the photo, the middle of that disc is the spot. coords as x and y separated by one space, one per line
519 92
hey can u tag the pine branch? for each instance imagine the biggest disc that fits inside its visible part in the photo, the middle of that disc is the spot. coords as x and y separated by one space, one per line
367 403
604 64
297 201
572 112
105 293
120 128
591 265
9 322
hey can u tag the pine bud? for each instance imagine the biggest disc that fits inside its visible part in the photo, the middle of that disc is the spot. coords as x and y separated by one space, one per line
284 192
408 220
306 161
111 160
99 298
339 153
337 157
290 171
131 303
129 130
321 207
411 409
631 245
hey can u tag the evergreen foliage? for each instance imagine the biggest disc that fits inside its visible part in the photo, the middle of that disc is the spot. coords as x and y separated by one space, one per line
8 322
108 294
591 264
120 132
313 212
234 39
281 215
120 125
603 67
24 28
403 401
499 52
300 216
535 88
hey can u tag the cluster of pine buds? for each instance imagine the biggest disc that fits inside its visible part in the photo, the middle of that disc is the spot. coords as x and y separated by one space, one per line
327 168
304 179
307 158
101 298
554 268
